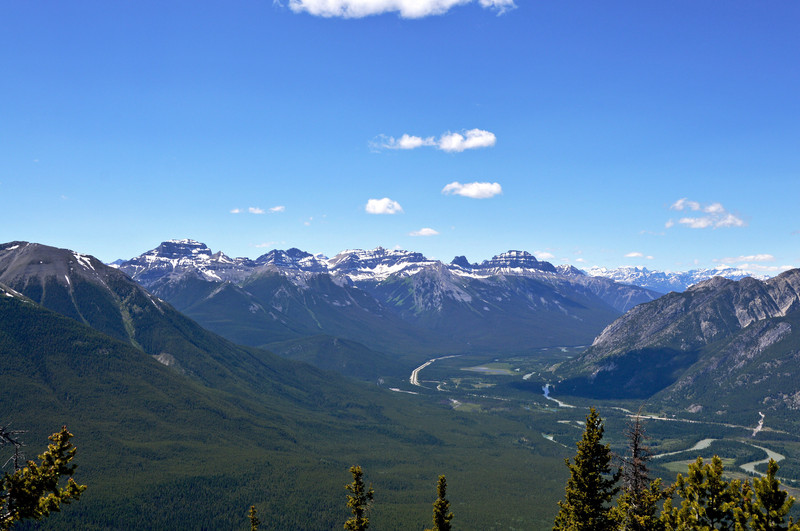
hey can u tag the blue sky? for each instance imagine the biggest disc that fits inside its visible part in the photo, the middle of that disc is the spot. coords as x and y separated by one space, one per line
663 134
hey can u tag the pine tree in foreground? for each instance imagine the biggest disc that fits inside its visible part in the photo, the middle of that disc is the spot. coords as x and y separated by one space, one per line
441 508
591 486
33 491
708 501
769 506
358 501
637 506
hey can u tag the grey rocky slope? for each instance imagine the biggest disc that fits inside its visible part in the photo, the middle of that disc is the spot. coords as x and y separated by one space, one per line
718 343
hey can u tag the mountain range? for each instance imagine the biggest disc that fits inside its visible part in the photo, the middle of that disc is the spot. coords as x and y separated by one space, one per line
389 300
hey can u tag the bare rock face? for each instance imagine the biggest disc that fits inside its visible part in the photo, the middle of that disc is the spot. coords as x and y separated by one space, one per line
702 314
718 343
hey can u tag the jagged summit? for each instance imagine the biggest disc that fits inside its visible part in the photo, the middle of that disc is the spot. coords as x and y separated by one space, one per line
293 258
516 260
361 259
462 262
176 249
566 269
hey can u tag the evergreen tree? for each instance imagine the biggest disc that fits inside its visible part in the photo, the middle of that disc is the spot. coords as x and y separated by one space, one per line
33 491
707 500
358 501
441 508
591 486
769 506
637 506
253 516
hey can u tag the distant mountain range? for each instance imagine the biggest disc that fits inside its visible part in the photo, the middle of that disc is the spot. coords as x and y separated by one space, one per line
664 282
722 346
388 300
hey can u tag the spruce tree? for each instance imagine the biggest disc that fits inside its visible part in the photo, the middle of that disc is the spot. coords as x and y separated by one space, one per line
592 484
253 516
358 501
708 501
769 505
441 508
637 506
34 491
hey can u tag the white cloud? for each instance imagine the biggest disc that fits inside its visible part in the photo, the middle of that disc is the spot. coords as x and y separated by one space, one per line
236 211
474 138
746 258
276 209
683 204
696 223
544 255
383 206
500 5
424 232
404 142
450 142
405 8
716 216
265 244
255 210
473 190
637 254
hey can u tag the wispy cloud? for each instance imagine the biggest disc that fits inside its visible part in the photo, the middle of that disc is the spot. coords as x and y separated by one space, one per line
424 232
544 255
637 254
714 215
449 142
258 210
753 263
383 206
404 142
746 258
405 8
760 268
474 190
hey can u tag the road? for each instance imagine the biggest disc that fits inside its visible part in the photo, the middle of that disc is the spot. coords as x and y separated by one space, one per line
414 379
